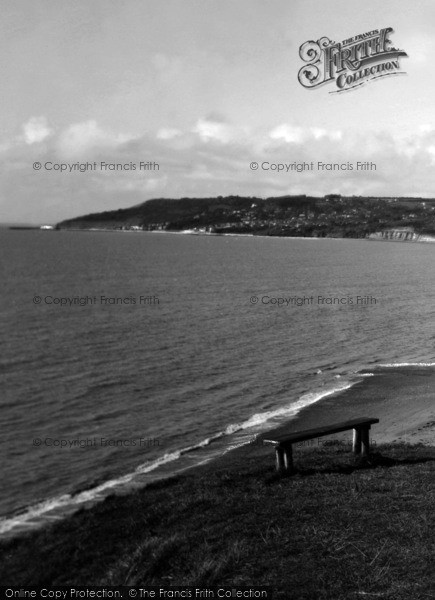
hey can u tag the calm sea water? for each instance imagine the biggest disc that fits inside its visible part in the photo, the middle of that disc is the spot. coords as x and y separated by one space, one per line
196 359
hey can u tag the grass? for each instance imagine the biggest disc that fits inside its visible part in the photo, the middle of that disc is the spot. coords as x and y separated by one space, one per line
338 529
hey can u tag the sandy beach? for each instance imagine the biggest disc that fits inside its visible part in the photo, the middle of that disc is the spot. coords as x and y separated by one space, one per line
402 398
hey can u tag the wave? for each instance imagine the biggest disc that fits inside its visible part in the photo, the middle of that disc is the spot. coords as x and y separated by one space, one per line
407 364
35 515
99 492
292 409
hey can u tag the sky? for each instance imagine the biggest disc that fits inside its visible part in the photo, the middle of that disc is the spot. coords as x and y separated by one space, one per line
203 88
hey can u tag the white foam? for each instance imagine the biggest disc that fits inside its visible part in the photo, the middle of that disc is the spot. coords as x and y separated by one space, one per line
59 502
171 456
258 420
33 512
408 364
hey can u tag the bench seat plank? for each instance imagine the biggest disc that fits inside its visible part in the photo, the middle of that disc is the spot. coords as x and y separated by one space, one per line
300 436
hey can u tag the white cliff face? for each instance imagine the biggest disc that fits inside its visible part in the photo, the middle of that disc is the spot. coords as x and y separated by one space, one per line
404 234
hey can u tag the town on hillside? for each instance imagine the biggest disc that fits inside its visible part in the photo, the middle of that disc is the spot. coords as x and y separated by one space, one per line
333 215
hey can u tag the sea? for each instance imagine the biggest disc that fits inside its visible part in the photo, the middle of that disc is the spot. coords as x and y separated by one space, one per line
131 356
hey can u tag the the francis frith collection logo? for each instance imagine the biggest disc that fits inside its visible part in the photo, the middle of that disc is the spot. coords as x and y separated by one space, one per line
350 63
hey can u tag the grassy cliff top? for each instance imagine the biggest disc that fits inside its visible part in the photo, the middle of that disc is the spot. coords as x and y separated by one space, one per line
337 529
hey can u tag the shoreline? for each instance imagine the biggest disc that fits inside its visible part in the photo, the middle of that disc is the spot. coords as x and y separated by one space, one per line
388 395
399 396
235 521
252 235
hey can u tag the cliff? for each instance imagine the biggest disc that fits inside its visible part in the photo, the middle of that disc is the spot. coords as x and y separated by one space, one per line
406 234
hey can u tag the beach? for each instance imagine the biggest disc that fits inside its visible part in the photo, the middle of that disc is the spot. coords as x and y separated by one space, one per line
401 397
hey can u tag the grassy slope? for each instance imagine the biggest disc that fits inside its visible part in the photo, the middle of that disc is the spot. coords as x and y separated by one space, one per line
337 529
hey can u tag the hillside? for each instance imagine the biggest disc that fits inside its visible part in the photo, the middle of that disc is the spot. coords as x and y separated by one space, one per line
329 216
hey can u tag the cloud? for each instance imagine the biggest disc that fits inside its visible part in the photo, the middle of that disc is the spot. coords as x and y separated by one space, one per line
288 133
431 151
36 130
212 158
167 133
319 133
292 134
82 138
209 129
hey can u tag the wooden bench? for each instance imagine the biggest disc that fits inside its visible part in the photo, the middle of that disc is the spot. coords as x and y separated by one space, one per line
283 443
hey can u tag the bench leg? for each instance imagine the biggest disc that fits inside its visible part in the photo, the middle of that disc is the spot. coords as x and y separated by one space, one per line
365 441
279 459
288 458
284 459
356 446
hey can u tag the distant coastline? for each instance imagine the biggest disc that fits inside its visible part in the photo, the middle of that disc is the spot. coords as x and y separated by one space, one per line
25 227
331 216
404 219
390 235
381 236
